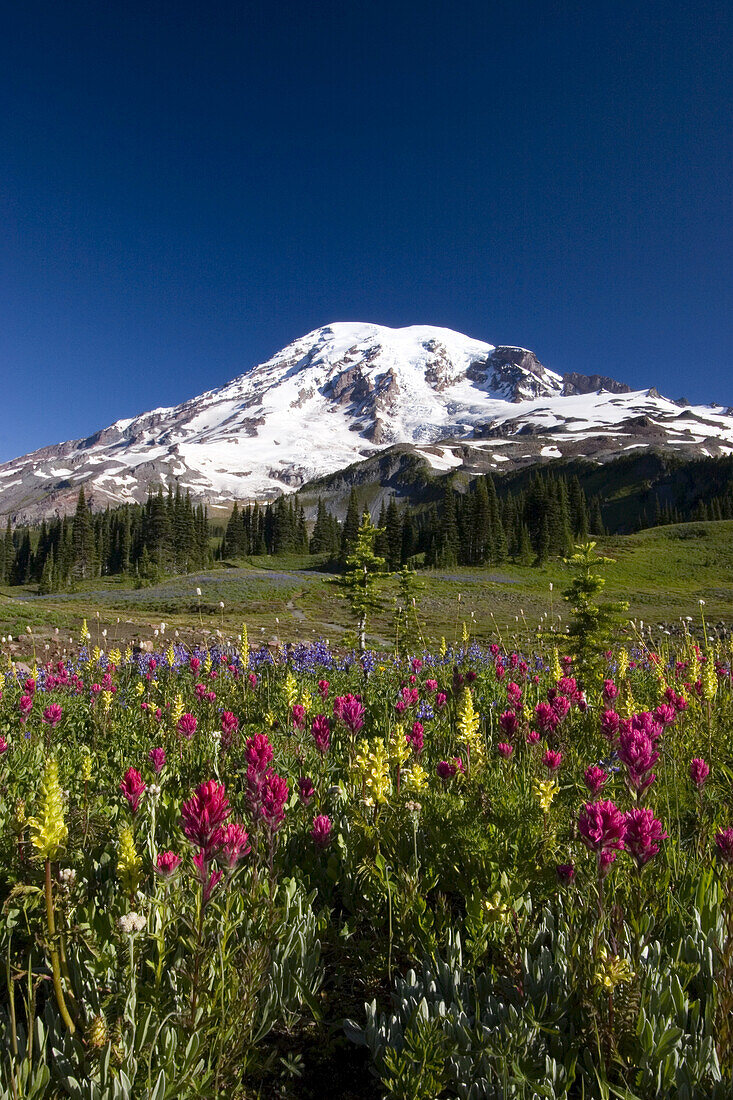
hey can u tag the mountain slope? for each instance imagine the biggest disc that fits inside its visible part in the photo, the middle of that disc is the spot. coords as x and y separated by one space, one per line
343 392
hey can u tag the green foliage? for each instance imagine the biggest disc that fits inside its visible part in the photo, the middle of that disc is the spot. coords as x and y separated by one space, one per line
594 623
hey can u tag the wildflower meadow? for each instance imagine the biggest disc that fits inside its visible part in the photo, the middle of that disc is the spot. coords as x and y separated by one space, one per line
294 872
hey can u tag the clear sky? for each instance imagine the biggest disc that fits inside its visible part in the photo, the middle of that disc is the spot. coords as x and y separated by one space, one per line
185 188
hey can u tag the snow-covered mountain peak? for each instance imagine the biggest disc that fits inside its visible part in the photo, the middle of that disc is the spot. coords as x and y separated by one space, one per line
339 394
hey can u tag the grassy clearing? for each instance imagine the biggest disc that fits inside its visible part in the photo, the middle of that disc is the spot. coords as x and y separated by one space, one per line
663 573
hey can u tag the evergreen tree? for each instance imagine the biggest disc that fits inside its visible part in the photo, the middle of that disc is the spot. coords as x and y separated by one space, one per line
350 529
364 570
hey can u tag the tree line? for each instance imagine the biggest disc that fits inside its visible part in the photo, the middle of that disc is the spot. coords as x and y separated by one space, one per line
168 534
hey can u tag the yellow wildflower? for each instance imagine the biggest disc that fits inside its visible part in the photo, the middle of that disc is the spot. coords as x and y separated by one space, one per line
139 688
129 863
545 791
612 970
399 746
114 657
48 830
415 778
494 909
84 634
556 666
306 700
176 709
443 647
244 648
170 655
86 767
468 722
372 764
622 665
290 690
107 697
709 678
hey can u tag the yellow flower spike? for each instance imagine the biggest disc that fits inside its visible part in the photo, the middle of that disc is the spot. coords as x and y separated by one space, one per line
115 657
399 747
545 791
129 863
612 970
86 767
206 666
443 647
244 648
468 722
48 831
465 633
176 710
107 697
290 690
139 688
306 701
270 719
170 655
372 766
84 634
128 654
556 666
709 679
415 778
495 911
622 664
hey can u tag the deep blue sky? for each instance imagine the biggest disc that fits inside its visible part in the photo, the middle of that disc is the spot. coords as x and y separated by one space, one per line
187 187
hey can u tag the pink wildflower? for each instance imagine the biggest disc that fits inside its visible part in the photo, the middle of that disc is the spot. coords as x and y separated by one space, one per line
187 726
133 787
595 778
274 797
157 759
298 714
699 772
602 827
321 731
504 750
52 715
306 790
203 814
552 760
166 863
232 844
258 752
321 831
509 723
643 833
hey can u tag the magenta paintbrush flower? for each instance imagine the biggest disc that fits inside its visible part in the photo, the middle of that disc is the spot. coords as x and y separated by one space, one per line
258 752
274 797
157 759
167 863
232 844
636 751
602 827
204 813
52 715
504 750
187 726
509 722
321 831
699 772
306 790
595 778
25 705
643 834
321 730
133 787
552 760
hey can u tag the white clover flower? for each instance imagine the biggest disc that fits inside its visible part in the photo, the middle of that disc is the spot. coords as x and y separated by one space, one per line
131 923
67 877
